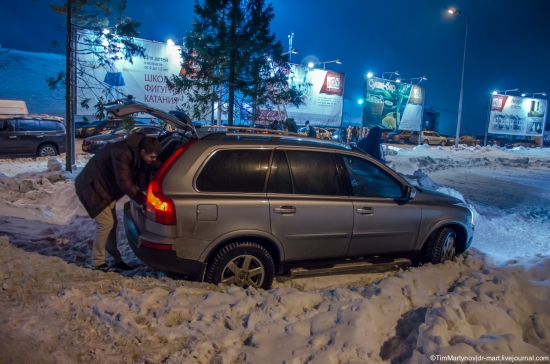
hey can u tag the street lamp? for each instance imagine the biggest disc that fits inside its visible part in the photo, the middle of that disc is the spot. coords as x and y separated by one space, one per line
535 93
292 51
505 91
311 64
456 12
423 78
391 74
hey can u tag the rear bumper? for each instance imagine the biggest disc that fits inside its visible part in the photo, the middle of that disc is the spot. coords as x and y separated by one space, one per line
163 260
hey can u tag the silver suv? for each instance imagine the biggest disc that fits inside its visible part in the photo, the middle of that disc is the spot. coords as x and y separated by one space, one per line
240 208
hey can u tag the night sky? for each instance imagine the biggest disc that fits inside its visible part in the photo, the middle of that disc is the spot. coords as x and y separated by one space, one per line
508 42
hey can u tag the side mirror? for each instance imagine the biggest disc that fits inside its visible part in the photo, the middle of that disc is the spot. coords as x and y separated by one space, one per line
411 193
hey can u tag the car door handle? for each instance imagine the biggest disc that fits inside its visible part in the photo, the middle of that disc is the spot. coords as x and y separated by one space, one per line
40 136
13 137
285 210
365 211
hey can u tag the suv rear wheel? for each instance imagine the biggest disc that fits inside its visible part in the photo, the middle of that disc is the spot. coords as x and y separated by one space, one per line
441 246
401 141
443 142
46 150
244 264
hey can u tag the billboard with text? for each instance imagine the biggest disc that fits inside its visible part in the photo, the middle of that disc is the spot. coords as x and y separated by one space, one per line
144 78
323 96
514 115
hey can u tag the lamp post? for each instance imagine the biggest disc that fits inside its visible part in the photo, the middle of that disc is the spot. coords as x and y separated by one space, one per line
496 92
391 74
456 12
290 49
423 78
311 64
290 53
535 93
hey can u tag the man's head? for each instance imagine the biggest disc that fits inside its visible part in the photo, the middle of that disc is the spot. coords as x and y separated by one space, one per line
149 149
307 122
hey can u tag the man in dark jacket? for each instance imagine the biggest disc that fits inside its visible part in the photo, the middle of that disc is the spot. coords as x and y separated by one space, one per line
310 130
372 144
108 176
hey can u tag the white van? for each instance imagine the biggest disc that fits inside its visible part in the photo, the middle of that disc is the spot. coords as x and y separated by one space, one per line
12 107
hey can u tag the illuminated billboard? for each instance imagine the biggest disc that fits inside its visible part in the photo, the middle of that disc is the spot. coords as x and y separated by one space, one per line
392 105
323 97
144 78
514 115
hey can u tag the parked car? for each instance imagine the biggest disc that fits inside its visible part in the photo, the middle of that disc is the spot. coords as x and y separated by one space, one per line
94 143
96 127
500 141
32 134
321 133
522 143
239 210
339 135
399 136
428 137
464 139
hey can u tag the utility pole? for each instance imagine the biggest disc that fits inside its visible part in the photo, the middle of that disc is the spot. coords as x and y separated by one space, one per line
290 38
69 116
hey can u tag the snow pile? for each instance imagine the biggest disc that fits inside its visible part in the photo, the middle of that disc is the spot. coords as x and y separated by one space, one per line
492 300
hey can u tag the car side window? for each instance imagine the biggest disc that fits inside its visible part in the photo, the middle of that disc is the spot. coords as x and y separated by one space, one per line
235 171
279 179
59 126
28 125
369 180
314 173
6 125
47 125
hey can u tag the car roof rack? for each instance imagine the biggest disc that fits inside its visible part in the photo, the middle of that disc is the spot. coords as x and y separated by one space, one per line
31 116
250 132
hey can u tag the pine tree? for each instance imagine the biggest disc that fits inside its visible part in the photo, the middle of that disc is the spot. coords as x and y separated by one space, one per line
231 57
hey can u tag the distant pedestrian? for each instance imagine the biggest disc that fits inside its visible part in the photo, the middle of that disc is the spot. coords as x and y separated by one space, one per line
348 134
311 133
354 134
291 125
372 144
274 125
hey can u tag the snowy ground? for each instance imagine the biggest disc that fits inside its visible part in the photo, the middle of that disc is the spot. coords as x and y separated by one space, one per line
492 301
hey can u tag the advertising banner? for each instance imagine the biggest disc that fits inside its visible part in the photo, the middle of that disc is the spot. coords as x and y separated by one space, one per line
144 78
323 96
514 115
392 105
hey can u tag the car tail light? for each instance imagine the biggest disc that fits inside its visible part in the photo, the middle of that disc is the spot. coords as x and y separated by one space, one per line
104 128
158 207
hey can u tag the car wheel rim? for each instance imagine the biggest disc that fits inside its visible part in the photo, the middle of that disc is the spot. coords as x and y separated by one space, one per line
244 271
449 247
48 151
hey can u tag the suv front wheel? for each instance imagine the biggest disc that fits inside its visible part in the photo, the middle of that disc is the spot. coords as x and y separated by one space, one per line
441 246
46 150
244 264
